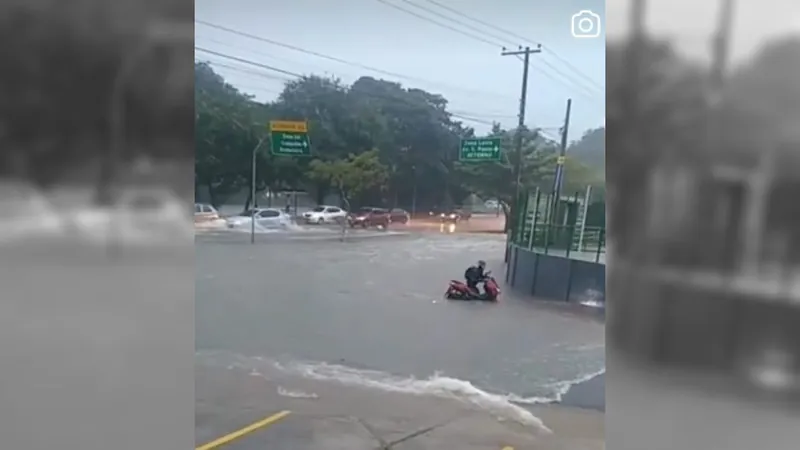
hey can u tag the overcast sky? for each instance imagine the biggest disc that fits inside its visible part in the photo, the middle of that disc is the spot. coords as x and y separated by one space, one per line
471 74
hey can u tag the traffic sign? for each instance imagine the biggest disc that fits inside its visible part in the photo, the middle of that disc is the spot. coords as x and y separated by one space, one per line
289 138
561 160
481 149
288 125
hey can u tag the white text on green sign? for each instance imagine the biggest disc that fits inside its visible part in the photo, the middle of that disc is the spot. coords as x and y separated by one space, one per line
290 143
487 149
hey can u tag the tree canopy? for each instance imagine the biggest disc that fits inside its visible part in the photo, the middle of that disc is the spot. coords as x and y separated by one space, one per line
374 142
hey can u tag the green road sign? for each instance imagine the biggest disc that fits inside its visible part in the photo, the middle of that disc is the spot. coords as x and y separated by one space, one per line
288 143
482 149
289 138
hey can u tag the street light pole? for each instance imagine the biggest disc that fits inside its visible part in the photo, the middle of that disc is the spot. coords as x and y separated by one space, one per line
253 192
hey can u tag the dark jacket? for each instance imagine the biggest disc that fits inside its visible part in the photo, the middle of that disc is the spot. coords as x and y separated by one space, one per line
474 274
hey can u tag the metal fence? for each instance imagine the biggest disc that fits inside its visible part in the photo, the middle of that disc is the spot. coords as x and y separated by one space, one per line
561 227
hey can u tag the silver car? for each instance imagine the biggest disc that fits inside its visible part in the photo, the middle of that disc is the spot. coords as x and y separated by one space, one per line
265 218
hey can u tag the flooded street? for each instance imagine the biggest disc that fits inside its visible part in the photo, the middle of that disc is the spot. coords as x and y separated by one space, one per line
372 312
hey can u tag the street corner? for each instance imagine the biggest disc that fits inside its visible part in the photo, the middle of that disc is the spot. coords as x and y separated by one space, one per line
298 431
211 433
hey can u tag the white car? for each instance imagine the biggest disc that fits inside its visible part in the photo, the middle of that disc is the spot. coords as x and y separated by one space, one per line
325 214
265 218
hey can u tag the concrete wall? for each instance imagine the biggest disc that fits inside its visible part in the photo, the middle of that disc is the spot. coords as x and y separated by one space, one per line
553 277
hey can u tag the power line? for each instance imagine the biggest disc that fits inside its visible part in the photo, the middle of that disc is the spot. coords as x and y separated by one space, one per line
487 115
582 88
245 61
249 72
344 61
466 25
556 79
443 25
517 36
371 94
586 90
573 68
238 46
478 21
366 67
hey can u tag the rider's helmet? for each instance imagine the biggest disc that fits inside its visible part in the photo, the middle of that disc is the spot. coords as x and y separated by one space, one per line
482 264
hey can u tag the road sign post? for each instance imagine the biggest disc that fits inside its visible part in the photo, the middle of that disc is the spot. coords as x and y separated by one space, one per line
289 138
480 150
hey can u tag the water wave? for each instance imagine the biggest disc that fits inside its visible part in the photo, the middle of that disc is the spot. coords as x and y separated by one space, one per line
436 385
503 406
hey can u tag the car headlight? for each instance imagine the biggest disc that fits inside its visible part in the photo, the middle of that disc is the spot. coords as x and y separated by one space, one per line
442 215
452 216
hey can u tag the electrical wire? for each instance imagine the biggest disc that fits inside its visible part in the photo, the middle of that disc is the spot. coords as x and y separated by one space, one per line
488 114
465 25
581 86
246 61
299 76
248 71
517 36
345 61
443 25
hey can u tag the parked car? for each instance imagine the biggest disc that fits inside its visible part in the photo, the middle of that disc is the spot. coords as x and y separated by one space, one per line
204 212
398 215
369 216
264 217
325 214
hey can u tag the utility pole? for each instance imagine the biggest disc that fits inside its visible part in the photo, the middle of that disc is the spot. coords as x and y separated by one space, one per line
558 179
719 51
526 53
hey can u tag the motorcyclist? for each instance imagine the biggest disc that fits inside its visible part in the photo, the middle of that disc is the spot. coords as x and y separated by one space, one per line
474 275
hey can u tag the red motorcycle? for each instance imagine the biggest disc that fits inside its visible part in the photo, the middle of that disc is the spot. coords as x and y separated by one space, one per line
459 290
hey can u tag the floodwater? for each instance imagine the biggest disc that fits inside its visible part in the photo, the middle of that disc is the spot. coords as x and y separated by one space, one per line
372 312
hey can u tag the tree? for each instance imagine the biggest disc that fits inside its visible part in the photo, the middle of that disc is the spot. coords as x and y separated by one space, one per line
374 141
590 149
496 179
353 176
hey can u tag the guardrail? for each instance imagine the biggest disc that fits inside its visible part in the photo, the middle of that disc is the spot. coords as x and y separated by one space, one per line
588 244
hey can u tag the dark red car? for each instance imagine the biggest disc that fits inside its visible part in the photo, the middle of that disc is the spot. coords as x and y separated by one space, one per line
398 215
370 217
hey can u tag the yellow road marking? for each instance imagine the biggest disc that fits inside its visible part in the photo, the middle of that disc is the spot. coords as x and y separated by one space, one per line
508 448
228 438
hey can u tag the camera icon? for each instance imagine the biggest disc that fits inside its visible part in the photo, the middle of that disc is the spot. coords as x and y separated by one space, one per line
585 24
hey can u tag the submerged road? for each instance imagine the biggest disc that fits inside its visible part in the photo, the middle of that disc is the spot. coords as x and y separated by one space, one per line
298 324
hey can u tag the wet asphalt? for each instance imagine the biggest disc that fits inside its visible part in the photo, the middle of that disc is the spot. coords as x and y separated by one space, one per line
372 303
377 304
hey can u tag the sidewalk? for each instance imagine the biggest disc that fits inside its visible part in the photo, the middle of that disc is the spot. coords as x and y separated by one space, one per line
330 416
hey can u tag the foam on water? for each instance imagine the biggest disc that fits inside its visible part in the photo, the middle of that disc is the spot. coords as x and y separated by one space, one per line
283 392
436 385
560 388
503 406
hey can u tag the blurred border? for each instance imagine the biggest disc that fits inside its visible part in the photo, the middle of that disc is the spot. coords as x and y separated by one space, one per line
703 323
96 183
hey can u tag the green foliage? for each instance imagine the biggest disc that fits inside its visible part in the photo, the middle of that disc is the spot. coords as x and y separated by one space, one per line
374 141
352 176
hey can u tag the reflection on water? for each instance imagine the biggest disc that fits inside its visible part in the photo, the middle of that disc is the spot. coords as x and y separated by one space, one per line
447 228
